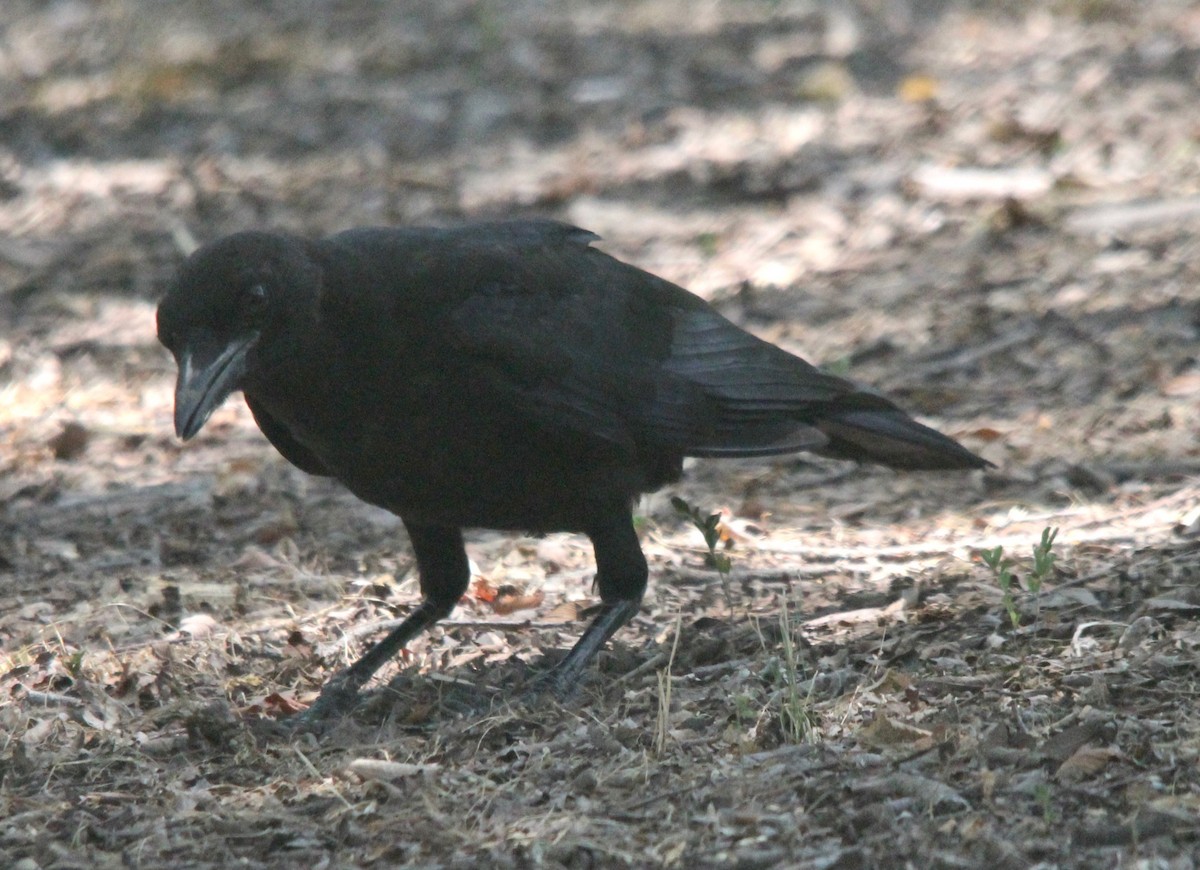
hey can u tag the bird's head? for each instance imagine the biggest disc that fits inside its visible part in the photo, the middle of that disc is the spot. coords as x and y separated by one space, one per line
228 296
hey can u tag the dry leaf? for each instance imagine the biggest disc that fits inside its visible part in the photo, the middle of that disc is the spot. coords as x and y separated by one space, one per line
509 600
483 590
1068 741
985 434
935 794
568 611
254 559
883 732
918 89
388 771
197 625
1180 386
1087 761
71 442
274 706
737 529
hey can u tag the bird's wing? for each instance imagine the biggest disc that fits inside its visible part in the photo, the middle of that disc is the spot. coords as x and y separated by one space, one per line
281 439
756 381
583 342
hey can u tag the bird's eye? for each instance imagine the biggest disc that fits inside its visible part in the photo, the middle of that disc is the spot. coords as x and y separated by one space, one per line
253 301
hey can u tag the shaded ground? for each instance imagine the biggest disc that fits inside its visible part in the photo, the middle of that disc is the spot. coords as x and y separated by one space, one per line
988 211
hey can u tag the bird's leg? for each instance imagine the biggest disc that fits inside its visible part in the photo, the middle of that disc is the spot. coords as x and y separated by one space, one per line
340 693
621 574
445 573
564 679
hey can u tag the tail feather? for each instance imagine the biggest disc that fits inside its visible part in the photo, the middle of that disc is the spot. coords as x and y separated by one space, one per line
890 437
723 392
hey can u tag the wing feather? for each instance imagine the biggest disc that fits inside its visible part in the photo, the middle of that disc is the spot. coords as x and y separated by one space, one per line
595 348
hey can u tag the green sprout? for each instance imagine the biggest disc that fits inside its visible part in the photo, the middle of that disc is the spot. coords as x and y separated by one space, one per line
1044 558
795 714
710 527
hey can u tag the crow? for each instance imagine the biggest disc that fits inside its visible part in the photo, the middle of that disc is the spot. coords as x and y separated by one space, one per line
500 375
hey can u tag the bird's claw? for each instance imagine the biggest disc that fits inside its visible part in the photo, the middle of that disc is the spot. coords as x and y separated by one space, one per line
339 696
553 683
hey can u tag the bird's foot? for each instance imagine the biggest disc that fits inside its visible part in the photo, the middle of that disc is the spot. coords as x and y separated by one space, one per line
555 683
563 680
339 696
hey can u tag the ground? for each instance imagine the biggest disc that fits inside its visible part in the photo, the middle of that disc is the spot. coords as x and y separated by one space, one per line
989 211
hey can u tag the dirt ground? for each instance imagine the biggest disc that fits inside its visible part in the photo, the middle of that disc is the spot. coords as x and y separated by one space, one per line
991 211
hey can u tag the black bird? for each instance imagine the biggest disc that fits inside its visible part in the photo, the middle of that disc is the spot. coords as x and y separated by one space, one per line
505 376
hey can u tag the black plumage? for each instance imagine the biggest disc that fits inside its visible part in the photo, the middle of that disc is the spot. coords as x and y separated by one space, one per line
503 375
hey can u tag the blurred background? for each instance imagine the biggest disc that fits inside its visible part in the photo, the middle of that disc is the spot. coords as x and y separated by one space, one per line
988 210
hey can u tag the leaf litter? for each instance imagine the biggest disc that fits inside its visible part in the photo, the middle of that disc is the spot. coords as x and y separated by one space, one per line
986 210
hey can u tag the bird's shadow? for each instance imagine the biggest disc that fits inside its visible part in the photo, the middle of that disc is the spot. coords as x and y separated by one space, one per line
417 703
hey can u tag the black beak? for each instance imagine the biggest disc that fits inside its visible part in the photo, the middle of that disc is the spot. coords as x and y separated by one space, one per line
206 376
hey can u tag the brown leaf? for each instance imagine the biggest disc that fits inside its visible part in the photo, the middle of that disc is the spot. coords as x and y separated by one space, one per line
254 559
918 89
568 611
1087 761
985 434
737 529
71 442
483 590
274 706
1065 743
274 530
884 732
509 599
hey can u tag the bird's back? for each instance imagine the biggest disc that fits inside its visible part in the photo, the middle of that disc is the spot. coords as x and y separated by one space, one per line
511 374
